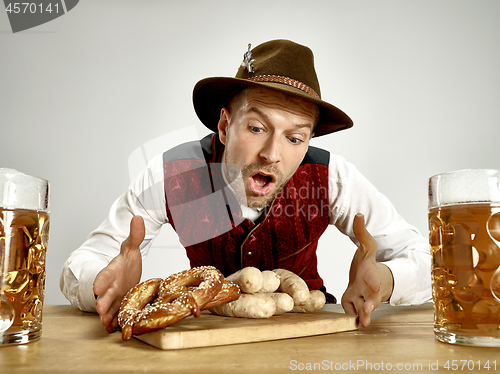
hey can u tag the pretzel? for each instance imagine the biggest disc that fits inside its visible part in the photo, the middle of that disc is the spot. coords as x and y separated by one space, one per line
156 303
136 299
229 292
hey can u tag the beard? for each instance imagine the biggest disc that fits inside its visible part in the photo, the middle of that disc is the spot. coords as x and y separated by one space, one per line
256 201
238 178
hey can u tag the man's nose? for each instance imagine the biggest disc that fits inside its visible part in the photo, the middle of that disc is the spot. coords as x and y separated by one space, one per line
271 150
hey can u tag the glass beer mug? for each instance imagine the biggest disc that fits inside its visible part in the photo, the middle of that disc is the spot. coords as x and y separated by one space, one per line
24 228
464 234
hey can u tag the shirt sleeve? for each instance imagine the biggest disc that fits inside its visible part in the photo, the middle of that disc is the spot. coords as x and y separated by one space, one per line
400 245
145 197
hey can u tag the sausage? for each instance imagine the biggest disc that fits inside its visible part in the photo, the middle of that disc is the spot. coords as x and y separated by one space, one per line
316 301
293 285
258 305
249 279
270 281
284 302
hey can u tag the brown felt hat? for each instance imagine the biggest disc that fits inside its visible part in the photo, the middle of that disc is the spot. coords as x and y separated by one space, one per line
279 65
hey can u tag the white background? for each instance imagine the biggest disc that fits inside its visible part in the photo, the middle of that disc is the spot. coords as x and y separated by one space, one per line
79 94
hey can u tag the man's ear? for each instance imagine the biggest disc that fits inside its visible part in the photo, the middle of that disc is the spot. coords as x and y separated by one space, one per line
223 125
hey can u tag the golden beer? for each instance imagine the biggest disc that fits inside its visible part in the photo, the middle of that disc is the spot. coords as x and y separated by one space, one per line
465 244
24 229
23 244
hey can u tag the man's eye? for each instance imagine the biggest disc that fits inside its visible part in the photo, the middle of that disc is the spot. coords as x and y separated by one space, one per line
255 129
294 140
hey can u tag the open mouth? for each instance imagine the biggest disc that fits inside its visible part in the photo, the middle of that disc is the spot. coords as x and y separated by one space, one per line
261 183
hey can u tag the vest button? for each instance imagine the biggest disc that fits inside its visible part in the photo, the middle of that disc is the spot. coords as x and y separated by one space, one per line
249 254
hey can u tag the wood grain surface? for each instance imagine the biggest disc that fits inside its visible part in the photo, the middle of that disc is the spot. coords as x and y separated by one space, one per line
213 330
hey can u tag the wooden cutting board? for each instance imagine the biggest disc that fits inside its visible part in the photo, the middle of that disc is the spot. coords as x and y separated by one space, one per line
212 330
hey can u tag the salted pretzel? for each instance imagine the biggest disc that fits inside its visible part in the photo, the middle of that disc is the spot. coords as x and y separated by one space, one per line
157 303
229 292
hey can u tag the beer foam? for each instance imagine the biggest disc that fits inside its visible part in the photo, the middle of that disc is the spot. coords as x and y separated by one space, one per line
464 187
22 191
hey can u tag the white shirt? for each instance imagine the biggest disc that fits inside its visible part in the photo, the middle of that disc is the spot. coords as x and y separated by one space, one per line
400 246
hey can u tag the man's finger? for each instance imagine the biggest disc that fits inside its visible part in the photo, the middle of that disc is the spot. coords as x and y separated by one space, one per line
348 304
137 231
349 308
102 282
113 325
365 314
112 317
108 310
104 302
364 237
372 282
137 234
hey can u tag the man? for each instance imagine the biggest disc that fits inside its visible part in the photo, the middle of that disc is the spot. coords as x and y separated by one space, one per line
256 194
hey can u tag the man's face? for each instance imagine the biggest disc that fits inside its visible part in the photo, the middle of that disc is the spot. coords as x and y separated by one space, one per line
266 135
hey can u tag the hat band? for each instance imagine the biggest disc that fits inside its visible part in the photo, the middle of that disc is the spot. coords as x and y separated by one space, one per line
284 80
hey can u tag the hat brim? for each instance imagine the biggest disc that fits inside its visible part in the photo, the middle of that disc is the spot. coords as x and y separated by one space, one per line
210 95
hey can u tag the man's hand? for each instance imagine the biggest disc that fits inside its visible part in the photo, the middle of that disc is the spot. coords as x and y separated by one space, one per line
370 282
122 273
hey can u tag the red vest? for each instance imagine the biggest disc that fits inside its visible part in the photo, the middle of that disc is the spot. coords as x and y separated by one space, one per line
206 216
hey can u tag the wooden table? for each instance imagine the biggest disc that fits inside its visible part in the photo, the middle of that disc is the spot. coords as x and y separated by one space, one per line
399 339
